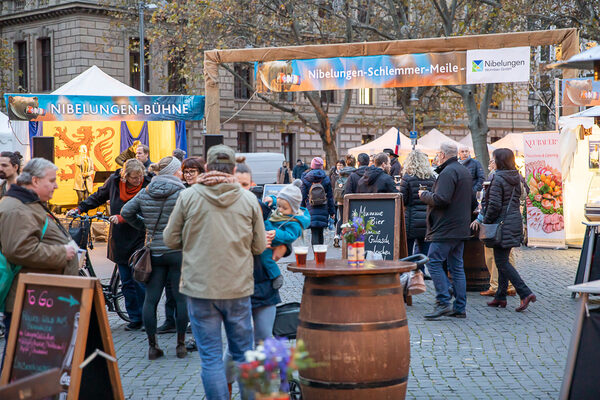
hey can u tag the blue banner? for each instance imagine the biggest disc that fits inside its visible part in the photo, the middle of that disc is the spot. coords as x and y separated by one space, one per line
49 107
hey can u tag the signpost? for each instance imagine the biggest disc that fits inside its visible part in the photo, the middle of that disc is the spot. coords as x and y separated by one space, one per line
58 322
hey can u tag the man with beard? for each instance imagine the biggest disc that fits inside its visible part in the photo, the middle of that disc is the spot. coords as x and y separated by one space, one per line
10 167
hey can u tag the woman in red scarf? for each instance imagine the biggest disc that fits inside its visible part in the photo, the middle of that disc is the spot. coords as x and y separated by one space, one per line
124 239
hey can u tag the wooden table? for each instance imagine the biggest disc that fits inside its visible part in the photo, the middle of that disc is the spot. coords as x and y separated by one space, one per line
353 322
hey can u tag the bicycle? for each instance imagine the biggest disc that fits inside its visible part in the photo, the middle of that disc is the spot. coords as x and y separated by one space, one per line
82 235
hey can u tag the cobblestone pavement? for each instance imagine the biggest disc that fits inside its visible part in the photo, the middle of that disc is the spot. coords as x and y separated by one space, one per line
493 353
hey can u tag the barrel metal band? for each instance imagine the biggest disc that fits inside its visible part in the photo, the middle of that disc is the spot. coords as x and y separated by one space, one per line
354 327
355 280
351 385
353 292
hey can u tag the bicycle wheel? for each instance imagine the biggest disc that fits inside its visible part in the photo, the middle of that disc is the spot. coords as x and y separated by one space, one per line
118 299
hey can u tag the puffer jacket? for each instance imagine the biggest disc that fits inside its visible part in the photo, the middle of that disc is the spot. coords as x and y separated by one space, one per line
22 219
319 215
416 211
143 210
352 182
495 205
375 180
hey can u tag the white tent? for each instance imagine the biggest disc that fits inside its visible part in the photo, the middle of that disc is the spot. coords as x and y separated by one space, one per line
95 82
468 141
513 141
432 140
385 141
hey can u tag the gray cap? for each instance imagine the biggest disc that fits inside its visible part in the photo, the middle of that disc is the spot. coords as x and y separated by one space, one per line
226 152
292 194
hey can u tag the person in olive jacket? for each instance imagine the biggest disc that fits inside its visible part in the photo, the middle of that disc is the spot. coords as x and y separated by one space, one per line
124 239
418 174
502 201
449 209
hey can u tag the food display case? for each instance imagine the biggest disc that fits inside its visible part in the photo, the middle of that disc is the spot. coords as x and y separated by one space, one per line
592 205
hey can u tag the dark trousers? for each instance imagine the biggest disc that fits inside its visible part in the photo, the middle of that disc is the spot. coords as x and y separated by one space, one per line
6 321
170 305
422 248
338 228
317 236
133 292
507 272
164 267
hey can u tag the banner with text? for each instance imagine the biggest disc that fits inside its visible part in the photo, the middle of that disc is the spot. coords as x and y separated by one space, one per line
545 220
409 70
50 107
581 92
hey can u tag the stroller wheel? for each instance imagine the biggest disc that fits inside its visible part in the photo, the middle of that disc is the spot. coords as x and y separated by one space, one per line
295 393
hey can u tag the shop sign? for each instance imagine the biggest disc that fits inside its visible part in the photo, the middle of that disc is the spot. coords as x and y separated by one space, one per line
408 70
545 216
49 107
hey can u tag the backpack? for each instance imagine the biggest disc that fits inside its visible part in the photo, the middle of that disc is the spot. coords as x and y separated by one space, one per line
317 195
338 192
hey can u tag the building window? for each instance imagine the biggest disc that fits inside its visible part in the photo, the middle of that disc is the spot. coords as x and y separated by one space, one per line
367 139
287 146
365 96
287 97
175 65
22 77
328 96
240 90
531 114
134 64
45 64
243 142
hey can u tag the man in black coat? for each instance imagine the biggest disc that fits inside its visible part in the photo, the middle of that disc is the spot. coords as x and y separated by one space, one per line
395 166
449 209
299 169
352 183
376 179
474 167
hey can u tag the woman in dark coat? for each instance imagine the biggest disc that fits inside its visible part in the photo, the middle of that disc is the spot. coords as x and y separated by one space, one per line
418 173
501 202
124 239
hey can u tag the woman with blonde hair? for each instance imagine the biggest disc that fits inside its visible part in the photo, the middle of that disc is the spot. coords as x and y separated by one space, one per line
417 175
124 239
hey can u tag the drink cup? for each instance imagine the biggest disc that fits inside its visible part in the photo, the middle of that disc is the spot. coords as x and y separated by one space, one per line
320 251
301 252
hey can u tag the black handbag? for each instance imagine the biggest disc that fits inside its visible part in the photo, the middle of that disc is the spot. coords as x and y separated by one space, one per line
286 320
491 234
141 260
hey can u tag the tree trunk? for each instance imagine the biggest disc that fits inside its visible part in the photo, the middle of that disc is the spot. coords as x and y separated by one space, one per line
478 122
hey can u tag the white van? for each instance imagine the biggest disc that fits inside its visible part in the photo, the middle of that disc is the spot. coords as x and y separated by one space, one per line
264 166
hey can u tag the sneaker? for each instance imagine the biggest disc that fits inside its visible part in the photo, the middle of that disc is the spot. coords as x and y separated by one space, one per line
190 344
439 311
134 326
167 327
458 314
336 241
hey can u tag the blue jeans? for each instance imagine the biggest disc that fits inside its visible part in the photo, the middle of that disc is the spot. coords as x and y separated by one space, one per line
206 317
6 320
422 245
133 292
452 252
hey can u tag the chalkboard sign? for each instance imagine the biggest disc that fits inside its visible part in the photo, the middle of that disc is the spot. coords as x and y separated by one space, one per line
272 190
387 212
57 320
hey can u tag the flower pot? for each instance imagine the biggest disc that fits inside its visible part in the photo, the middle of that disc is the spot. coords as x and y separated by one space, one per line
356 254
272 396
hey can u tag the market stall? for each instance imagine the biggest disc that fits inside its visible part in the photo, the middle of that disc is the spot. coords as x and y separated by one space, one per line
385 141
432 140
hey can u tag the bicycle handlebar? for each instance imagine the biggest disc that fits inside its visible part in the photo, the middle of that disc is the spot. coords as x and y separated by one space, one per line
99 216
419 259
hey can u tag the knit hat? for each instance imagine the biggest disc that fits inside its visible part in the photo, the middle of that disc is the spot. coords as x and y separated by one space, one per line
292 194
316 163
171 168
211 156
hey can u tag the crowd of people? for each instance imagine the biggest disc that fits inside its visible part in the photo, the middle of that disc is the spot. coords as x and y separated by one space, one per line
189 209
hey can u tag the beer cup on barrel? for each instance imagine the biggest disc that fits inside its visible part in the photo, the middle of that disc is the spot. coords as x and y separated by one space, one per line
301 253
320 251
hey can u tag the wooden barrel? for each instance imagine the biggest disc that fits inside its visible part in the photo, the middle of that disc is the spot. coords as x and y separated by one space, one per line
476 272
356 326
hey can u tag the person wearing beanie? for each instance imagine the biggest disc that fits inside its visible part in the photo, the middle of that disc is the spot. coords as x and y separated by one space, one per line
316 163
149 211
287 222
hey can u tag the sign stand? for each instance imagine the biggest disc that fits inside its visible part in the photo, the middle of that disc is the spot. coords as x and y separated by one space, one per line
57 322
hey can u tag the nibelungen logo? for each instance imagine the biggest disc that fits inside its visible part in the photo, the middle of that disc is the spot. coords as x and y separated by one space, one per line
477 65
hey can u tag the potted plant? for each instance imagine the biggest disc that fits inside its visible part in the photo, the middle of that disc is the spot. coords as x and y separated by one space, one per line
267 369
353 233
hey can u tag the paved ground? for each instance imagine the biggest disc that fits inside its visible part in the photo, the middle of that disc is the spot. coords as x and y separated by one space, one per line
494 353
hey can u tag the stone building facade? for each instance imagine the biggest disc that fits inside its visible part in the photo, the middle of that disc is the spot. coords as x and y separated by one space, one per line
55 40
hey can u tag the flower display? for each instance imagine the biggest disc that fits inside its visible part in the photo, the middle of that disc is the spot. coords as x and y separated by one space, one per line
355 229
267 369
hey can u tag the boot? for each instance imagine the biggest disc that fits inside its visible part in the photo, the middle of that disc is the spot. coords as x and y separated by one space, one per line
181 350
153 351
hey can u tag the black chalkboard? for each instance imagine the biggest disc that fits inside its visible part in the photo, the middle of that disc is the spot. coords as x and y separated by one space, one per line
385 209
47 332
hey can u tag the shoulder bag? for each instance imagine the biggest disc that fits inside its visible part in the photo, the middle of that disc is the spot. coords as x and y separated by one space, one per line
140 260
491 234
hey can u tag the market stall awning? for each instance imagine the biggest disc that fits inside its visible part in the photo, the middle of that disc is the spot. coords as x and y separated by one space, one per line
95 82
513 141
385 141
468 141
434 138
584 60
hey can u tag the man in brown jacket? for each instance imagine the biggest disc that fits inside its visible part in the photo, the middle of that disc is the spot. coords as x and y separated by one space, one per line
29 235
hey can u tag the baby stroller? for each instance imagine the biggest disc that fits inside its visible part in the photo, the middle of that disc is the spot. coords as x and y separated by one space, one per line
286 324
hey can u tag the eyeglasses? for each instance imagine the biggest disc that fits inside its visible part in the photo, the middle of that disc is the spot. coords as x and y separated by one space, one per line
190 172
